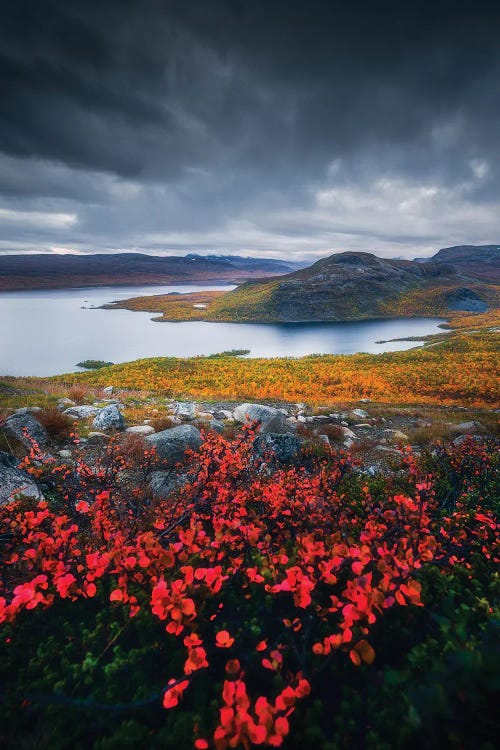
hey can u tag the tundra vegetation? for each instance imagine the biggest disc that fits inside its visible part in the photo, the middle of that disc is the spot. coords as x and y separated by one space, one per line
308 605
459 367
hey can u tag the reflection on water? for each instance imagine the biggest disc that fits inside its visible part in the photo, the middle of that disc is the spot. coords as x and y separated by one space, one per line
45 332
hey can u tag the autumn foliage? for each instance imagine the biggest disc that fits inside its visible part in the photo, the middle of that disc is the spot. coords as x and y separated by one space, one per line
250 585
460 370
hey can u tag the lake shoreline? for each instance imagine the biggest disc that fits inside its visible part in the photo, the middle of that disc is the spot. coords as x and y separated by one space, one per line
46 332
189 302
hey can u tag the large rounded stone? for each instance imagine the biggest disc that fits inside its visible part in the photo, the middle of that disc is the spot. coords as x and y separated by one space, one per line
269 418
171 444
25 428
109 418
163 483
140 429
284 448
81 412
185 409
469 428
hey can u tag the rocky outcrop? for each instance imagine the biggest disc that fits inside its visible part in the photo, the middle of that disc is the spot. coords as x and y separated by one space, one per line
465 300
25 428
172 444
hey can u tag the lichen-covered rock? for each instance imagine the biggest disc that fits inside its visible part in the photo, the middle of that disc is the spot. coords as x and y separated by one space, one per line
223 414
7 460
347 433
163 483
283 447
81 412
172 444
209 424
25 428
14 483
269 418
185 409
109 418
140 429
469 428
64 403
360 413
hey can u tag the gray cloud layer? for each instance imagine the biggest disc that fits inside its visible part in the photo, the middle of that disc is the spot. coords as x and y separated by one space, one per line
268 127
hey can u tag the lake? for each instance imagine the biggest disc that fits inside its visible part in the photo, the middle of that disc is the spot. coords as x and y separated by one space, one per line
46 332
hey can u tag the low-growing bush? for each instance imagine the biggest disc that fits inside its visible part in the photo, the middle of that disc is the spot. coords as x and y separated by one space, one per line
308 606
57 424
78 392
161 423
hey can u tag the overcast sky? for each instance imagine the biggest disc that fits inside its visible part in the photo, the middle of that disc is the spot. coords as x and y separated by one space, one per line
275 128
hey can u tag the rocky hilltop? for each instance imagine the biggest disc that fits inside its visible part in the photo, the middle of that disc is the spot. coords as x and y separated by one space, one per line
352 286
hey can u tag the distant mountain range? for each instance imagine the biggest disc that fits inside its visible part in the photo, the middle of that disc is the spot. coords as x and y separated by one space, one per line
352 286
46 271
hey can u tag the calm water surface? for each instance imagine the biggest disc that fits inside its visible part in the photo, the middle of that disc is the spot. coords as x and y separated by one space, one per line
46 332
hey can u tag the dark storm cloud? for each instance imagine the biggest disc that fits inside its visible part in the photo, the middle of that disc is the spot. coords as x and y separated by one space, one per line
269 127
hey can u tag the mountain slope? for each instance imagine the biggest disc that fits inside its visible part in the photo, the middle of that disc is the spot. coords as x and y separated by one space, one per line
351 286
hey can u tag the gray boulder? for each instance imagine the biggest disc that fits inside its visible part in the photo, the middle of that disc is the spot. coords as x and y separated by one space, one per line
109 418
185 409
469 428
285 448
171 444
223 414
140 429
163 483
108 390
81 412
14 483
269 418
347 433
212 424
217 425
22 427
360 413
